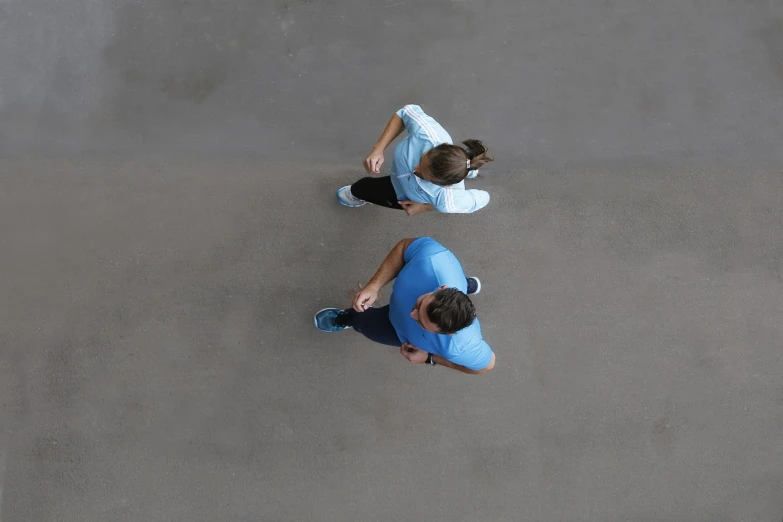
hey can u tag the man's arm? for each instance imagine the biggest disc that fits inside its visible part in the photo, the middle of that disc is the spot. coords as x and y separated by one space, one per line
417 355
448 364
389 269
393 129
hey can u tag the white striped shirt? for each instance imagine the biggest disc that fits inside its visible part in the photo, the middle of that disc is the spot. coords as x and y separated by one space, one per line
425 133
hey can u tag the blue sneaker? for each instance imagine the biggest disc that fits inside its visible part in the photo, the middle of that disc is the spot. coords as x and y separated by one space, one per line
474 285
347 199
472 174
326 320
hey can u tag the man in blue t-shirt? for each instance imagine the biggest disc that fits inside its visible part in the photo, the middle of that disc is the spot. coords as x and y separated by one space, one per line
429 314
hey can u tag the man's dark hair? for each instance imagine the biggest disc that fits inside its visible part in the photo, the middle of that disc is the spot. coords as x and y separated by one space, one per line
451 310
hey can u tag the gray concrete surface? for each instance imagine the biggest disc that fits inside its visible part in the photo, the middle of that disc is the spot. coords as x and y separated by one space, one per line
168 227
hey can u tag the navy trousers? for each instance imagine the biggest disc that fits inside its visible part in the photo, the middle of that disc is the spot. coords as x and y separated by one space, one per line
374 324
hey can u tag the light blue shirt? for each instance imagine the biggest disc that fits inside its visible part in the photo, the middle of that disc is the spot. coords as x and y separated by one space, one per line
428 266
425 133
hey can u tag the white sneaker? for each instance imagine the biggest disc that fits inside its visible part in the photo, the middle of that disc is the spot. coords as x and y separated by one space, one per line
472 174
347 199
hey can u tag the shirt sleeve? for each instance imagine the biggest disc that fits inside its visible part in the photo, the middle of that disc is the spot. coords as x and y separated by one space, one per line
474 359
422 247
460 201
418 123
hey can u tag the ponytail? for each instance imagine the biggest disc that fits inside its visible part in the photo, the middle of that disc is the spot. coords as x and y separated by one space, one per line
450 164
476 153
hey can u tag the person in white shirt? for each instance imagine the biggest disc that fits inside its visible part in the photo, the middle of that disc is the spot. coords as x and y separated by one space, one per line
427 171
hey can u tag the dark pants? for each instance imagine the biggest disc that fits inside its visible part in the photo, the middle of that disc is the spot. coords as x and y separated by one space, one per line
378 191
373 323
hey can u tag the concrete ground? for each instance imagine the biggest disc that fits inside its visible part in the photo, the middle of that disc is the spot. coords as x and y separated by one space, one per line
168 227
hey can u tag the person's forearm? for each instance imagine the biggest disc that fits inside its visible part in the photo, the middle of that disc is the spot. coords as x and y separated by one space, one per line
448 364
391 266
392 130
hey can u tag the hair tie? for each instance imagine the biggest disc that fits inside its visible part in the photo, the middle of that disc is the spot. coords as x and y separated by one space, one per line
467 164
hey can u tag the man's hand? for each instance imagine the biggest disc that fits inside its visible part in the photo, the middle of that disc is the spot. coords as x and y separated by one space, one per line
413 207
413 354
374 161
365 298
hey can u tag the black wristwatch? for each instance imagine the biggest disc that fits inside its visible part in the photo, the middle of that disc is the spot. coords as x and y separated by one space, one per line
430 361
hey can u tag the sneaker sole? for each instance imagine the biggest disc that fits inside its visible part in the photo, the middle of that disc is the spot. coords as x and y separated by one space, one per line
349 205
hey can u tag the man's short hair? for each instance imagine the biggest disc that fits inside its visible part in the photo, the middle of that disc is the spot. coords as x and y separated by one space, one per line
451 310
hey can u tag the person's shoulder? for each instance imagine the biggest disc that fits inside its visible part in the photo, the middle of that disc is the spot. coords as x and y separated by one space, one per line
453 199
413 111
423 126
471 334
469 343
423 247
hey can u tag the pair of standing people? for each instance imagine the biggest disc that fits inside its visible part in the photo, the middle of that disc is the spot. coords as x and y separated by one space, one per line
429 315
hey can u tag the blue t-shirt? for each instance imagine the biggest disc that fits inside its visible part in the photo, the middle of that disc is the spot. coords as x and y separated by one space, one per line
425 133
428 266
